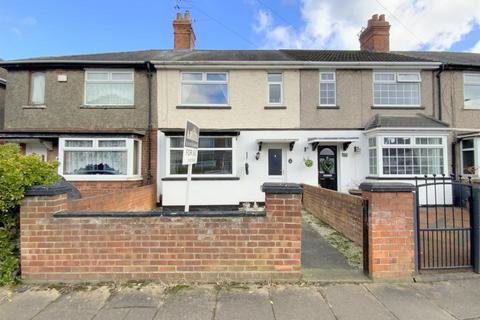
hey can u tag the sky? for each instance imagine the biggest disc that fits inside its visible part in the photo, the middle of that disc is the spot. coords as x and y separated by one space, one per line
32 28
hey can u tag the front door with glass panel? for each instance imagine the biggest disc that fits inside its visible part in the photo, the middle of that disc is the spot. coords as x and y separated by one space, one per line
327 167
275 163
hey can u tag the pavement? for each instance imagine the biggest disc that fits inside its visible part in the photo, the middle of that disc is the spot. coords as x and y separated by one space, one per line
455 299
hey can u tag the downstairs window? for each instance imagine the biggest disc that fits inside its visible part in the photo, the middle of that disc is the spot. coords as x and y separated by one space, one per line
100 158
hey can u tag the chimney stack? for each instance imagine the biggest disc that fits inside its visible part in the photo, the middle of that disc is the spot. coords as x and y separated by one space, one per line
184 37
376 36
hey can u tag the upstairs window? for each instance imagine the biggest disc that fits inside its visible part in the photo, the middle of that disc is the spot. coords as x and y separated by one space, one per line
275 88
396 89
328 89
204 88
109 87
37 88
471 90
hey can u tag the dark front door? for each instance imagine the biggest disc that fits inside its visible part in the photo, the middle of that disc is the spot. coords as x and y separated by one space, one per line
327 167
275 162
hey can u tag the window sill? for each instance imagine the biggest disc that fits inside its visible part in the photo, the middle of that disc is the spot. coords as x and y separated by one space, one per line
40 106
205 107
399 107
101 178
201 178
106 107
272 107
471 108
328 107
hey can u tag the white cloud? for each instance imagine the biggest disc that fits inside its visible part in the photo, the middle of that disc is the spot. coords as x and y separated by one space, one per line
334 24
15 30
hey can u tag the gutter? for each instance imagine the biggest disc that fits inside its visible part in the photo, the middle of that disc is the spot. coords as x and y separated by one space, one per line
148 66
441 68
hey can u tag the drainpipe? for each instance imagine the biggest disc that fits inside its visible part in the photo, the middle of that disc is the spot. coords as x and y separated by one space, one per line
439 88
149 124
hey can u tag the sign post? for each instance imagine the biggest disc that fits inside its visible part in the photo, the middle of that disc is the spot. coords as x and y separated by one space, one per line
190 154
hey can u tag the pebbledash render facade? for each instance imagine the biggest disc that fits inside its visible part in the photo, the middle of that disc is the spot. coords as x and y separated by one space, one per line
323 117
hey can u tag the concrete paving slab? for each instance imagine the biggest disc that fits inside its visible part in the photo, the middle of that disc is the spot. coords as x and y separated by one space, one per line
25 305
354 302
406 303
111 314
243 304
188 304
317 253
148 296
456 297
78 305
299 304
141 314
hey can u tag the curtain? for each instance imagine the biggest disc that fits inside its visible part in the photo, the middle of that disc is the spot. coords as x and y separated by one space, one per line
109 93
38 88
95 162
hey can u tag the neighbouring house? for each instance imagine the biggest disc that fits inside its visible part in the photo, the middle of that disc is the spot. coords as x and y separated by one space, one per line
94 113
459 105
3 88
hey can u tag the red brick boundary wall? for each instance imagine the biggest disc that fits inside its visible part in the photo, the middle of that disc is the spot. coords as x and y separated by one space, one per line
90 188
341 211
391 229
60 245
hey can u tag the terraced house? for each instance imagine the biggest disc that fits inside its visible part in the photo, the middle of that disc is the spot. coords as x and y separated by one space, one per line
329 117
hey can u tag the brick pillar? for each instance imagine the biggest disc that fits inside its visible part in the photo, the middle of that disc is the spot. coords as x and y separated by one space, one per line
283 205
391 229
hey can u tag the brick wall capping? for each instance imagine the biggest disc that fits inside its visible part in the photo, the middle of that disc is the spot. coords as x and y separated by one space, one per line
387 187
126 214
282 188
61 187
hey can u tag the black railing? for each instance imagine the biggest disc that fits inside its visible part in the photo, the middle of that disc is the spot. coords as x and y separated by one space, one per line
444 222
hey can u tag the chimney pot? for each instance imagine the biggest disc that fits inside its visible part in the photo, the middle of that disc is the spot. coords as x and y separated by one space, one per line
179 16
376 36
187 15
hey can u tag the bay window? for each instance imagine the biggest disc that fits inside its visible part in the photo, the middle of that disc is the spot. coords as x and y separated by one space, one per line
407 155
109 87
471 90
396 89
100 158
215 157
204 88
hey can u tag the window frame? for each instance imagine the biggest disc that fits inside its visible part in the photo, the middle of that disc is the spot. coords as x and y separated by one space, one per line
334 82
269 103
472 107
174 175
475 161
204 81
30 88
396 81
129 148
109 71
380 145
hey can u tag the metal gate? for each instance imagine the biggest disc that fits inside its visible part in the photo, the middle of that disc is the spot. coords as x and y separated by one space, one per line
444 213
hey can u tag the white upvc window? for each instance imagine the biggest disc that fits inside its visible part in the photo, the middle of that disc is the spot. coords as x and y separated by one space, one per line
109 87
372 156
215 157
396 89
328 89
37 88
275 88
407 155
469 166
204 88
100 158
471 90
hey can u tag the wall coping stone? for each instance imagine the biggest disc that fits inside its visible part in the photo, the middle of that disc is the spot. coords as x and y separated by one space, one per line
387 186
127 214
61 187
282 188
